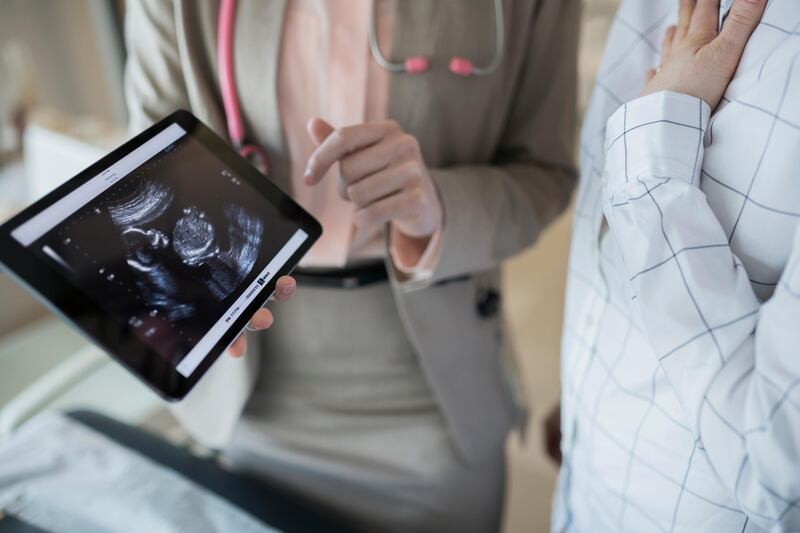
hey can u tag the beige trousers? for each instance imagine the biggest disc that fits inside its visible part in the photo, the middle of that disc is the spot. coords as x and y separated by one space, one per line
342 415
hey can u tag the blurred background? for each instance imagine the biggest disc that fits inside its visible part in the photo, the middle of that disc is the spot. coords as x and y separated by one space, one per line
53 122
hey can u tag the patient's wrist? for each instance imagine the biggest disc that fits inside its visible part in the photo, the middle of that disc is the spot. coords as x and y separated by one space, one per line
654 137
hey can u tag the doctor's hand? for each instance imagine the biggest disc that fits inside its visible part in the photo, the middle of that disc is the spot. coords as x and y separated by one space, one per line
382 172
262 319
697 59
552 434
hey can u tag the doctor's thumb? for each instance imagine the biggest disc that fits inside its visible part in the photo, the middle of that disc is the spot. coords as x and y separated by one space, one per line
318 130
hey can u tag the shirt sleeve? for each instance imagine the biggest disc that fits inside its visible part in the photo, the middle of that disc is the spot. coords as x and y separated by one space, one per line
424 266
734 362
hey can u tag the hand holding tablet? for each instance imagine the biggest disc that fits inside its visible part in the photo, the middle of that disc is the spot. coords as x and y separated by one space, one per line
161 251
284 289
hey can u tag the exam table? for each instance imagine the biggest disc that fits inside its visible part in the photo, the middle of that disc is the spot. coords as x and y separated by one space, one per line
108 456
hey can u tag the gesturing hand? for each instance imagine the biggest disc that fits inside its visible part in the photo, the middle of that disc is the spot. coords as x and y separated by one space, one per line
381 171
699 60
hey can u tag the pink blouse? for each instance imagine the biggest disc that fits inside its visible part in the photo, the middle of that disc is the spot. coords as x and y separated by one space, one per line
326 70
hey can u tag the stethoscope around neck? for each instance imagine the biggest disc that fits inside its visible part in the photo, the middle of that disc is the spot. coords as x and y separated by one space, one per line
413 65
460 66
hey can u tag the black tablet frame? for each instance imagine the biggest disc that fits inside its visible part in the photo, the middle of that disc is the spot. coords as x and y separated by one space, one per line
114 337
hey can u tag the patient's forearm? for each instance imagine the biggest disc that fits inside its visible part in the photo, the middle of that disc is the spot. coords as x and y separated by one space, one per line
732 362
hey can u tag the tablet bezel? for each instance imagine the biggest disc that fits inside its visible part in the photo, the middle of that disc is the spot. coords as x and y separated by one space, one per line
112 335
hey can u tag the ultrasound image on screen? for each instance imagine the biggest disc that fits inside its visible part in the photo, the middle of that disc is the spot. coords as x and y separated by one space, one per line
221 252
169 247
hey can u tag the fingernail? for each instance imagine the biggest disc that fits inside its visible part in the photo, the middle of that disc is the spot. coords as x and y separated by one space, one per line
307 174
285 290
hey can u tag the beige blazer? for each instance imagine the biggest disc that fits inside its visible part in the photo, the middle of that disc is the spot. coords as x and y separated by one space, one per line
500 150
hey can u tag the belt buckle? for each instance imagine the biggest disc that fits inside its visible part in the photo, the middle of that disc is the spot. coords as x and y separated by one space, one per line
350 282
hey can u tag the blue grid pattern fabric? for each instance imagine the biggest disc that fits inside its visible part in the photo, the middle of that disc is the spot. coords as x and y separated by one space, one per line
681 347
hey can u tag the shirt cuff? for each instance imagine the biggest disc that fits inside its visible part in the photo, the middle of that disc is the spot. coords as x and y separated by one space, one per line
655 136
426 264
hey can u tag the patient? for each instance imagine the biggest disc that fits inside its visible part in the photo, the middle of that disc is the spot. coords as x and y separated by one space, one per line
681 348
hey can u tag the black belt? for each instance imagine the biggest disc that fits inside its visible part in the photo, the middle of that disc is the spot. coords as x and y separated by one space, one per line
348 277
487 301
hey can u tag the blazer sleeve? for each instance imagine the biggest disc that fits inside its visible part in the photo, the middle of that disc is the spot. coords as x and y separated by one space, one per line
154 83
495 211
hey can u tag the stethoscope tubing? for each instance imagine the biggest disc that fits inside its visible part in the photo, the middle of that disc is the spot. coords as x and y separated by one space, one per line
230 98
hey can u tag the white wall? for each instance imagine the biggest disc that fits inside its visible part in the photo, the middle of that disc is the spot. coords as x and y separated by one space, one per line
73 56
74 51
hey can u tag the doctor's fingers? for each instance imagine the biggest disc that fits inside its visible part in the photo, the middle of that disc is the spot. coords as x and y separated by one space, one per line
367 161
405 205
285 288
239 346
385 183
361 164
262 319
342 142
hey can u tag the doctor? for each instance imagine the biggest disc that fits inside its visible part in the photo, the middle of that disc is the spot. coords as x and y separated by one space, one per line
433 140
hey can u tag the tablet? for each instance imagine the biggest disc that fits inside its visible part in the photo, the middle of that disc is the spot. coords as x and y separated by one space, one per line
161 251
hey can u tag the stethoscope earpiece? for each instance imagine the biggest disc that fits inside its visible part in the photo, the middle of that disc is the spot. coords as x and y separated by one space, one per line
460 66
416 65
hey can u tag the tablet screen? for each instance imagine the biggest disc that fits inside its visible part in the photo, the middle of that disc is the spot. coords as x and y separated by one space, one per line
168 240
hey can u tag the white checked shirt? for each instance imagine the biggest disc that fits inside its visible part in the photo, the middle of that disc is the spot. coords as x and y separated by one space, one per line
681 350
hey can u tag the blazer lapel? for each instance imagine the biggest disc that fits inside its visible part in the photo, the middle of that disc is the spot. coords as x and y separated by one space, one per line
415 28
257 43
423 104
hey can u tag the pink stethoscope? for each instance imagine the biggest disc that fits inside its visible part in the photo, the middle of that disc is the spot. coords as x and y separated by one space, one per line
414 65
